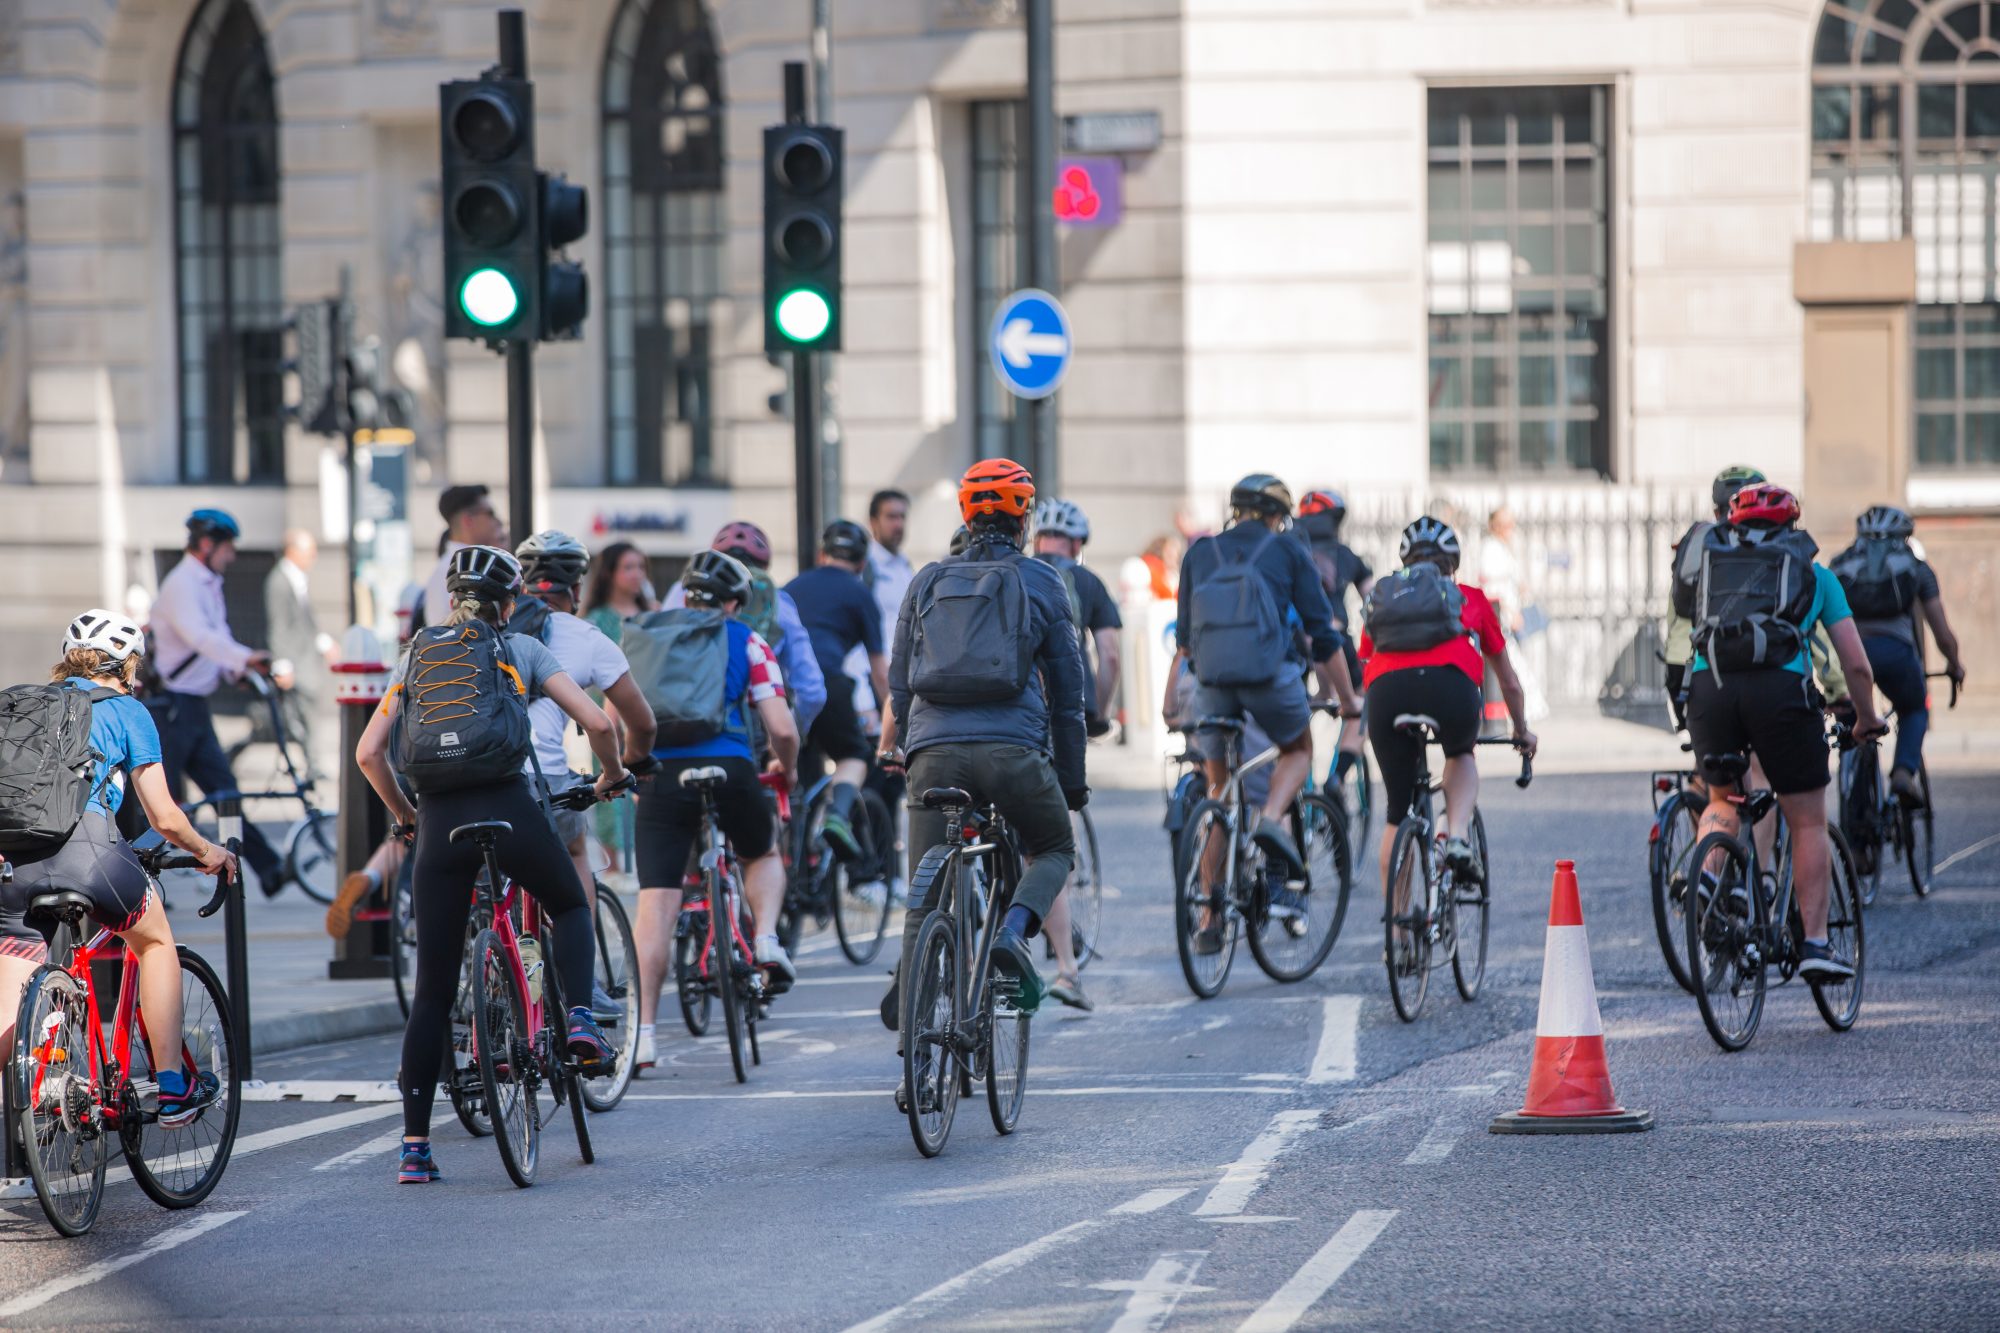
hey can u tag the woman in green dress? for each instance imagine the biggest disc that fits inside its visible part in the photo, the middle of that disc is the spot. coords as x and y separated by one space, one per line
618 590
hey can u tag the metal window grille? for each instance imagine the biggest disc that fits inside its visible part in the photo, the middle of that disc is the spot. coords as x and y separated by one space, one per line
1000 212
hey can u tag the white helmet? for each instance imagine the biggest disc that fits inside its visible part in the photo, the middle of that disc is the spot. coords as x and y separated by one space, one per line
116 635
1061 518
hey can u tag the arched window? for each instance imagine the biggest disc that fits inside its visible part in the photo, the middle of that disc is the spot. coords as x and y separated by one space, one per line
229 281
665 226
1906 142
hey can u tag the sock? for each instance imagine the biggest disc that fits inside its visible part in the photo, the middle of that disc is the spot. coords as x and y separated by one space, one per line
173 1082
844 796
1342 764
758 943
1022 922
374 880
1821 941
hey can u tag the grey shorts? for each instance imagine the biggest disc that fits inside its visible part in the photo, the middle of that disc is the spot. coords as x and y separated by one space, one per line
1280 708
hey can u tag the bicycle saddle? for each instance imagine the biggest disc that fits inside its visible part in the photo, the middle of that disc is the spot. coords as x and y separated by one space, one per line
947 798
1414 721
1727 769
1219 724
64 904
482 831
704 777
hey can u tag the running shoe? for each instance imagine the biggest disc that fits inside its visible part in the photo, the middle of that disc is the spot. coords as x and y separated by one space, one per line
1904 783
1819 965
180 1104
1208 940
417 1168
340 915
1070 991
1013 961
603 1008
771 956
587 1042
840 836
1463 858
1277 844
647 1054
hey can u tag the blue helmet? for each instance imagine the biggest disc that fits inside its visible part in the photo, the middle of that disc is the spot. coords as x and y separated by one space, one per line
217 523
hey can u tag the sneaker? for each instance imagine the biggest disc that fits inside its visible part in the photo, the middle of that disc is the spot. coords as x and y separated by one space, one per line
1819 965
603 1008
352 890
1908 790
646 1054
903 1099
771 956
840 837
587 1042
1277 844
1463 858
180 1104
1013 961
1070 991
1208 940
892 1005
417 1168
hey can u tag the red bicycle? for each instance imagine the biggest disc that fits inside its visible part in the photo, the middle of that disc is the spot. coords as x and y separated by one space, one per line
72 1092
712 964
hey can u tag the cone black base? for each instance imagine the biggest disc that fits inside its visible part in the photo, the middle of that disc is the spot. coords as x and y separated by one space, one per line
1624 1122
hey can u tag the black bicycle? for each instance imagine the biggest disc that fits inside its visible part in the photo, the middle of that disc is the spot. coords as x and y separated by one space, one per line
1670 862
819 886
310 857
1880 825
961 1021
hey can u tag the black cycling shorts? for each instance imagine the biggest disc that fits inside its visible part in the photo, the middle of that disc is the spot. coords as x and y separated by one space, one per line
1443 693
1771 713
94 862
669 818
836 733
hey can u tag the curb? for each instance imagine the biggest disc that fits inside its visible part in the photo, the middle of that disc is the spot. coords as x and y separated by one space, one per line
288 1032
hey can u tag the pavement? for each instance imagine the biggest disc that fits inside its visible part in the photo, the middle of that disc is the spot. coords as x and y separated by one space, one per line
1280 1157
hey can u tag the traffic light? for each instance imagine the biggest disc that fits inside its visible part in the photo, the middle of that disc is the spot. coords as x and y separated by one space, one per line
315 330
493 205
803 173
565 294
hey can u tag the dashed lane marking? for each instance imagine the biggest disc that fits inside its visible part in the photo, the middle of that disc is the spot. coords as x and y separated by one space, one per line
1964 852
1155 1295
1334 1061
36 1297
321 1090
785 1094
1152 1201
1319 1273
373 1148
978 1276
1241 1177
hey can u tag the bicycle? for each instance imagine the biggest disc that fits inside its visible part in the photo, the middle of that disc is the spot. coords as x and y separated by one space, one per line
1449 913
1086 891
1220 882
71 1091
716 961
820 885
311 857
960 1020
1874 819
1732 942
1670 863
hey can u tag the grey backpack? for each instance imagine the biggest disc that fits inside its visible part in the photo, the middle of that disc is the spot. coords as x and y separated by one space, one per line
1236 634
1879 576
1414 609
680 661
969 632
464 717
46 764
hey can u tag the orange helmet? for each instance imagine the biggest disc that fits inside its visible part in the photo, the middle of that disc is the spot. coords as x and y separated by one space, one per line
995 486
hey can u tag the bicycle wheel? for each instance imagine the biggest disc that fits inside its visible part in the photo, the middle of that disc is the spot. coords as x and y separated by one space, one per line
1205 857
861 907
312 858
689 941
929 1022
1293 950
1725 955
1406 947
1840 1005
722 969
177 1165
506 1057
1357 798
1468 955
403 934
1086 891
559 1070
462 1083
1004 1029
1918 852
617 972
1861 818
59 1125
1670 867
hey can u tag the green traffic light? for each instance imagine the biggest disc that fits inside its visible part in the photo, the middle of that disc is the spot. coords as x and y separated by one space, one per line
488 297
803 315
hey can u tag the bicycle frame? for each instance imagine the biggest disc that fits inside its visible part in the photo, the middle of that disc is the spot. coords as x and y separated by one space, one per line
719 857
1231 799
110 1065
975 941
496 908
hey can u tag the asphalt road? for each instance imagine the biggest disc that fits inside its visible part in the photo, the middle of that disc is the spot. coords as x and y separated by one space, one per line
1279 1157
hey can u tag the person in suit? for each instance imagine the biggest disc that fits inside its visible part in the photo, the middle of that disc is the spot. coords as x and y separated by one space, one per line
300 650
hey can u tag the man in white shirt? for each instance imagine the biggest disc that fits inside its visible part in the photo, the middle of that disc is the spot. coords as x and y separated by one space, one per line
469 520
888 575
300 649
193 651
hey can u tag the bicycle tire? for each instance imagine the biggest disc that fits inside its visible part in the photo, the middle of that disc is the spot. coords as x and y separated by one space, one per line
1357 801
1724 955
50 1102
1408 967
1670 870
312 858
860 921
617 970
1840 1005
1320 831
1475 900
560 1069
403 934
929 1018
1205 973
689 946
722 973
1004 1029
1086 884
1861 817
1919 852
506 1056
462 1082
159 1153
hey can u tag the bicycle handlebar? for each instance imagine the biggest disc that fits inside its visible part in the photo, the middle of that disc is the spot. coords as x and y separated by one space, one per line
164 857
1945 675
582 798
1527 760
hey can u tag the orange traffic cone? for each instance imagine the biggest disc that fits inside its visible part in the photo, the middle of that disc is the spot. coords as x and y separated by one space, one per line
1569 1086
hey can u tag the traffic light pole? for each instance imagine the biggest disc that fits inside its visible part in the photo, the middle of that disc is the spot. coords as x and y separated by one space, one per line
805 384
1043 270
520 351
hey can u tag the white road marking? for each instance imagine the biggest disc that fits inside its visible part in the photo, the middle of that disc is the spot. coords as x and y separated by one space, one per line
373 1148
1241 1177
1318 1274
35 1297
1334 1061
322 1090
787 1094
1437 1143
277 1138
1155 1295
978 1276
1964 852
1152 1201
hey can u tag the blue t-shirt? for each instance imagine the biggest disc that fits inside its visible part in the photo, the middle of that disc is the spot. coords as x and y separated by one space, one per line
123 732
735 737
839 614
1829 608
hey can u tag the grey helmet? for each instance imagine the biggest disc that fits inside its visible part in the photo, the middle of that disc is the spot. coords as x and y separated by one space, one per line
552 560
1886 521
1427 539
1063 518
485 573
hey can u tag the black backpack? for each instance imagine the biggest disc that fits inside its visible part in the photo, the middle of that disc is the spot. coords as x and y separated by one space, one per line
47 767
970 640
1414 609
1754 596
1236 633
464 719
1879 575
531 618
1687 568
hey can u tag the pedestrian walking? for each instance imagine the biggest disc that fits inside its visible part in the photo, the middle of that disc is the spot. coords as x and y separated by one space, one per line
301 651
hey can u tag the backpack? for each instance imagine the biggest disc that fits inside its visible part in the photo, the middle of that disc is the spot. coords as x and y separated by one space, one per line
464 720
760 609
46 764
531 618
970 640
1753 598
1414 609
1236 635
1879 575
680 660
1067 568
1687 569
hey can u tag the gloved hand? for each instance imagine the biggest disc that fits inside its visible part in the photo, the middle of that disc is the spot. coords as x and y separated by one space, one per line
1076 797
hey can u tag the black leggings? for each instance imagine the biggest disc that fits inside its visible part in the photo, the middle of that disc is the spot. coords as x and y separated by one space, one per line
533 857
1448 696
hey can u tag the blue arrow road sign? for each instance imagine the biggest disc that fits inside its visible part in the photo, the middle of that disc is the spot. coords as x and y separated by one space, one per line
1030 347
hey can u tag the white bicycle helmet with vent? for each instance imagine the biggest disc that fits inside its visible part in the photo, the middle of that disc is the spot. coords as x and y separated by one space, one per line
1063 518
115 635
1430 538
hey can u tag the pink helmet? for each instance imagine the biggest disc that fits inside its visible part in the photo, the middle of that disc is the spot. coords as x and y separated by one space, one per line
745 541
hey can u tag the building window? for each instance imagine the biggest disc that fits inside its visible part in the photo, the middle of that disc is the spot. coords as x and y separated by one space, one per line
665 227
229 281
999 263
1519 296
1906 142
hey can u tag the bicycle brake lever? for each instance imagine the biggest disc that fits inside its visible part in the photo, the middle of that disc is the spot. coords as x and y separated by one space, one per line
222 883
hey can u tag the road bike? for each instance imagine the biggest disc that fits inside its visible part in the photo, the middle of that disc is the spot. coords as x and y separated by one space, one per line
819 885
1670 862
1085 887
1743 920
1879 825
1222 889
713 957
72 1091
1430 912
961 1021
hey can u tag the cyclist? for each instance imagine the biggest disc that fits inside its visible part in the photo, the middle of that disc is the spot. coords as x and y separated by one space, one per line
1427 644
1340 568
1010 734
1752 691
1232 630
670 815
1886 584
464 678
102 652
771 611
840 614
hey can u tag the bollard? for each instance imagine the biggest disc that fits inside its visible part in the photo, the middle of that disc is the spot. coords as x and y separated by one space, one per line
360 681
236 930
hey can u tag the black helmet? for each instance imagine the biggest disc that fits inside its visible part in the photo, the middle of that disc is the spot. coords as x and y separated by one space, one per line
714 577
1731 480
1430 539
552 561
1262 494
216 523
844 539
1885 521
960 540
483 573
